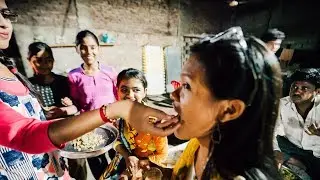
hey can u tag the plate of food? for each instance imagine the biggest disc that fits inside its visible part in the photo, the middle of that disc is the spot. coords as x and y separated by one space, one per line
91 144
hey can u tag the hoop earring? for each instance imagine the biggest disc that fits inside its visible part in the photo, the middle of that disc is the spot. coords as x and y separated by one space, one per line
216 135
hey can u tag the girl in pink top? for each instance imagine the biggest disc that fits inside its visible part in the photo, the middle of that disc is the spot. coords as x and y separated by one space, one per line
92 84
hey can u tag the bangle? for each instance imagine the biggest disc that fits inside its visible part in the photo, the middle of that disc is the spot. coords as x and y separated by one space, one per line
103 114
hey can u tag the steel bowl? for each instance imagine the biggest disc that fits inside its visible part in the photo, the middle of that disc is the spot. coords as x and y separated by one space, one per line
109 134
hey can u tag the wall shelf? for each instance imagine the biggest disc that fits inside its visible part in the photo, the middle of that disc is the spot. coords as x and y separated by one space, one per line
73 45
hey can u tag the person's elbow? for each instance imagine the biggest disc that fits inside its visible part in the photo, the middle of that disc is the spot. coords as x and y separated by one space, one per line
23 145
33 138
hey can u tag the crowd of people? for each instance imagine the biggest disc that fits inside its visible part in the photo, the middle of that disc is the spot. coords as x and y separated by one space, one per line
229 107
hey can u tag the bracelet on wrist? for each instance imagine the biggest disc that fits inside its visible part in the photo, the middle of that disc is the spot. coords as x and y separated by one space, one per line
103 114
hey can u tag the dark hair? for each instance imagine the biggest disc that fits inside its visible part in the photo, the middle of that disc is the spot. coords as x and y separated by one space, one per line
272 35
85 33
36 47
252 74
11 65
132 73
311 75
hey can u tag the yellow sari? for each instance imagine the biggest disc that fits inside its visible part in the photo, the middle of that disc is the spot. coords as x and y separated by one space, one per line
186 160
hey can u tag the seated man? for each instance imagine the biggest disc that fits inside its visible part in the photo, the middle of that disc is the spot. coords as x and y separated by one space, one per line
297 132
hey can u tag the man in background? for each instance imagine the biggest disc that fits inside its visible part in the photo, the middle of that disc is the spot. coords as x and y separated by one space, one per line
297 131
273 39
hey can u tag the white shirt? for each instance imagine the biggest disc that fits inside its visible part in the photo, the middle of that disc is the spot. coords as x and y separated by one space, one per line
291 125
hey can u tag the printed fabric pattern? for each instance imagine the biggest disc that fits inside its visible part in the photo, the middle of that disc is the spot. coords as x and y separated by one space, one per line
16 165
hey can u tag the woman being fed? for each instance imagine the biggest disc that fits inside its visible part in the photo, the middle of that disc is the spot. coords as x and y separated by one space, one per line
228 104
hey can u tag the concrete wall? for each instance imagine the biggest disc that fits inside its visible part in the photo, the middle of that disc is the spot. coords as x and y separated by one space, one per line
298 19
133 23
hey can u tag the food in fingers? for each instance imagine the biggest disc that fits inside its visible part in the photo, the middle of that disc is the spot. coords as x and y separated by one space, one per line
153 120
167 123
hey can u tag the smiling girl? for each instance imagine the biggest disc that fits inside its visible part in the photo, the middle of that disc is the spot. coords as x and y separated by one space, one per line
53 88
92 84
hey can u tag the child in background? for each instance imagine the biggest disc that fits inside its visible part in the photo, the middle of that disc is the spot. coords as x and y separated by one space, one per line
138 150
92 86
53 88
